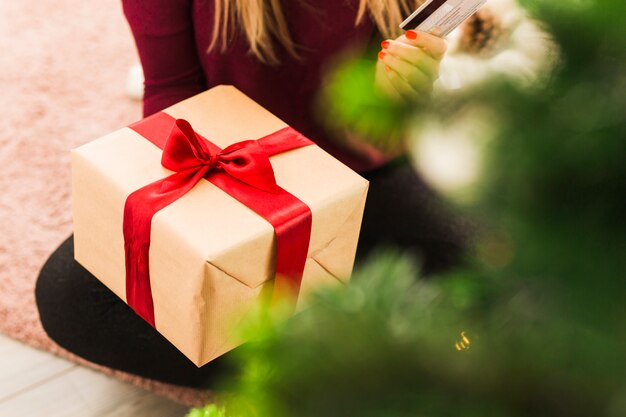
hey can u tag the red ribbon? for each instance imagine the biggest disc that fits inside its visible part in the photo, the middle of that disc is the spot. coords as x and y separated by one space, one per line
242 170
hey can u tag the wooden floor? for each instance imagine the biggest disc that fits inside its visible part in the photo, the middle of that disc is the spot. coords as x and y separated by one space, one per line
40 384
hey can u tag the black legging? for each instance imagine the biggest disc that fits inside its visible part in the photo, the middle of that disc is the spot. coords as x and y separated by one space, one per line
86 318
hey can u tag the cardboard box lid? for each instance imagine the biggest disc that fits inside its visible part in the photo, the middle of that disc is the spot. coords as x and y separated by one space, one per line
228 229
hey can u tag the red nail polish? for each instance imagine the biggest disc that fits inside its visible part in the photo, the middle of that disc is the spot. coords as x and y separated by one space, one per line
411 34
384 44
381 55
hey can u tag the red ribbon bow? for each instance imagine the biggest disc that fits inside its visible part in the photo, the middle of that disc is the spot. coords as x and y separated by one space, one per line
192 157
243 170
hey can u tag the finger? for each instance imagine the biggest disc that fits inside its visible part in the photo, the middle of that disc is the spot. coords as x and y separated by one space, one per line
411 74
403 90
431 44
384 82
413 55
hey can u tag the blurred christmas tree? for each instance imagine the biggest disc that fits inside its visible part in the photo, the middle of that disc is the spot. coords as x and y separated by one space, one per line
536 325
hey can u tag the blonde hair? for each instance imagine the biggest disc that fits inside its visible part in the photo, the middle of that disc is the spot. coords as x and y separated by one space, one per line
263 23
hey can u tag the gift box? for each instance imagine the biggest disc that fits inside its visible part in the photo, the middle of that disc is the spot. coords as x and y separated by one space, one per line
211 257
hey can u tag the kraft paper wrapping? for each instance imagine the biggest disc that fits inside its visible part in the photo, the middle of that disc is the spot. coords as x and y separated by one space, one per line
211 256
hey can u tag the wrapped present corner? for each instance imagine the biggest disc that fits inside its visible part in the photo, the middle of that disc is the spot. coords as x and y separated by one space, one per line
211 257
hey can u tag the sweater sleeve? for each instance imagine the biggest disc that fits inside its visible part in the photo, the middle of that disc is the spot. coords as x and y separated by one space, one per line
164 35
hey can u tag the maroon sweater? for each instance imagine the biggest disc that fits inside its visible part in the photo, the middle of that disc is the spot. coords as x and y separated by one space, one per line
173 36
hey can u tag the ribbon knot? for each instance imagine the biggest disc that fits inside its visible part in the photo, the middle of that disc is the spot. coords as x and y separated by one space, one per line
214 162
247 161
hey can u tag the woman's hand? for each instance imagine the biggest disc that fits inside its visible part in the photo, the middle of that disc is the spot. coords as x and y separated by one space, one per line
409 65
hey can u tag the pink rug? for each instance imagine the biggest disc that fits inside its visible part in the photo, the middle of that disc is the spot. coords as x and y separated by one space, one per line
63 70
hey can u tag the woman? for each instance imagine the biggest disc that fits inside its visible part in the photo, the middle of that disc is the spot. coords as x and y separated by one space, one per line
276 53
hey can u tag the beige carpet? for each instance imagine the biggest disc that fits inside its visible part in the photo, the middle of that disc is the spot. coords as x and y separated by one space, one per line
63 67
